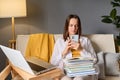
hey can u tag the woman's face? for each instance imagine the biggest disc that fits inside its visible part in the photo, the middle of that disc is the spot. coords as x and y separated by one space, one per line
73 26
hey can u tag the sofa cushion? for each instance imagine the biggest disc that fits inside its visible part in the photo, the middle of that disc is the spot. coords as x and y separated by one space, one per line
112 64
100 63
21 43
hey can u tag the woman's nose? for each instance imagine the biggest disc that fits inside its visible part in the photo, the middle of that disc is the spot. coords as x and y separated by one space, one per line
74 26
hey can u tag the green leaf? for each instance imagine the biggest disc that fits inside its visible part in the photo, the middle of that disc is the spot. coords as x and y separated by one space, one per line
107 20
117 20
113 13
118 25
118 17
117 0
115 4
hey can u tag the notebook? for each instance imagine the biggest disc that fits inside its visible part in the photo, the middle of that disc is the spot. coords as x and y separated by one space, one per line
17 59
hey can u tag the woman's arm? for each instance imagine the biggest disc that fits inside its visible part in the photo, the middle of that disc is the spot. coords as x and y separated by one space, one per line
56 58
88 50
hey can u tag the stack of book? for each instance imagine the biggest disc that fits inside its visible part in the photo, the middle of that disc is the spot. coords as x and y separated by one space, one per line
79 67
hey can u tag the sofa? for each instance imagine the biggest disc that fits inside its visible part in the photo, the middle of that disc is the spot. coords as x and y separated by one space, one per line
104 46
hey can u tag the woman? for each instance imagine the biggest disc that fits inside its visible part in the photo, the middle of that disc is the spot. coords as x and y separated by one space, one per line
65 47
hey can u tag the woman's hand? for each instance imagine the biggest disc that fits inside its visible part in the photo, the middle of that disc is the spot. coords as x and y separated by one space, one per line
76 45
71 45
67 48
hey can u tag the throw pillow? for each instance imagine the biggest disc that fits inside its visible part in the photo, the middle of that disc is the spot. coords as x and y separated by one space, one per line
101 66
112 64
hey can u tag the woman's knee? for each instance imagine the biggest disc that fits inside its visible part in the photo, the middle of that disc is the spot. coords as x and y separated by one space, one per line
78 78
66 78
83 78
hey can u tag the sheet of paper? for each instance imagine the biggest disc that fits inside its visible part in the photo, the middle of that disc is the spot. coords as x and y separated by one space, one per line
17 59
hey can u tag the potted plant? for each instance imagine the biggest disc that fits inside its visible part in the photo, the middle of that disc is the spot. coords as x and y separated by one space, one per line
113 18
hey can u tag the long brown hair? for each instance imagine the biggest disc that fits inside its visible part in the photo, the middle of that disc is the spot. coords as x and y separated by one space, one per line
66 34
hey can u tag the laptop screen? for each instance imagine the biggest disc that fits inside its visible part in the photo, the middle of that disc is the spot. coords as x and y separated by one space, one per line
17 59
35 67
39 66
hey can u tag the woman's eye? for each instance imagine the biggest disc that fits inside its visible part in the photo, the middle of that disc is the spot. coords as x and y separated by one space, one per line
70 25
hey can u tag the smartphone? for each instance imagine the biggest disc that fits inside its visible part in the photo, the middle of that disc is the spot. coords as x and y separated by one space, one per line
74 37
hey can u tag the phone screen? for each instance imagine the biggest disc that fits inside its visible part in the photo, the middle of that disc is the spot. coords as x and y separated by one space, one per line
74 37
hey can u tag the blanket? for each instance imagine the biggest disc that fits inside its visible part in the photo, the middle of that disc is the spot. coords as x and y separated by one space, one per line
40 46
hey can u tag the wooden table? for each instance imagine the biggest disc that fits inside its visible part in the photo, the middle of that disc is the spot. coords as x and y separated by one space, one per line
53 74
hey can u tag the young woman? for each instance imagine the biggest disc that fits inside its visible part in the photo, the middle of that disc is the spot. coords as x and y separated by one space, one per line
67 48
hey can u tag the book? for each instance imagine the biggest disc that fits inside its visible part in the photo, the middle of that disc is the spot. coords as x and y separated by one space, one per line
81 73
79 66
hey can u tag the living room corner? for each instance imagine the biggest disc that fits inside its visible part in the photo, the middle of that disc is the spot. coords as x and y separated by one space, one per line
48 16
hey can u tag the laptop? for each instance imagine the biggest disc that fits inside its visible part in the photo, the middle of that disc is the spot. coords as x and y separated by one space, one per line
17 59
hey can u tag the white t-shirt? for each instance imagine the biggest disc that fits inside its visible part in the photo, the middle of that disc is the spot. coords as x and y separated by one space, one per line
60 45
